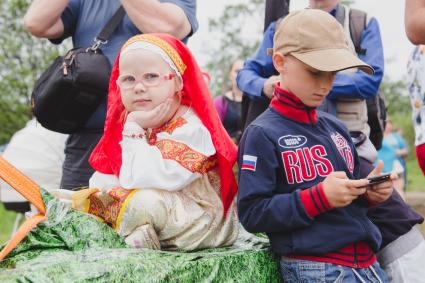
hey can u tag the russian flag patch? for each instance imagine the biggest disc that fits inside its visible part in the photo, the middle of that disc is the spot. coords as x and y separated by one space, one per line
249 162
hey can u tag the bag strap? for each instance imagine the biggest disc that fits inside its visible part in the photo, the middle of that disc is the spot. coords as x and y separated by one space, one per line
31 191
340 14
357 26
109 28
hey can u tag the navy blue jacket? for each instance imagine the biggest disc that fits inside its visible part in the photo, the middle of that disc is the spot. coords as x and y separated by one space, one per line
284 155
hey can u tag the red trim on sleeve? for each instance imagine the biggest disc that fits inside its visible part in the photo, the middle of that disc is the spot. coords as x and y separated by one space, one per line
315 201
323 197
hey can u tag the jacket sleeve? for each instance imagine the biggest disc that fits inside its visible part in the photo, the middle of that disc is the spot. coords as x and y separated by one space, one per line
261 207
258 68
359 84
171 163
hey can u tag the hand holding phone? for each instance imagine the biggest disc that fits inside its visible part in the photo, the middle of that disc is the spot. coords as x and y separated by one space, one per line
380 185
379 179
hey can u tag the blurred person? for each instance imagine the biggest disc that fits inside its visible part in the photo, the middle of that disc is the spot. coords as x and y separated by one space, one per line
416 88
390 153
228 105
38 153
402 153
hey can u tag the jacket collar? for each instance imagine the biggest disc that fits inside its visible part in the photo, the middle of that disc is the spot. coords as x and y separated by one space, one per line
290 106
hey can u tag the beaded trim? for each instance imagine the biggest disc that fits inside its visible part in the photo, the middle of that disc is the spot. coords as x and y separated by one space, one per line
171 52
134 136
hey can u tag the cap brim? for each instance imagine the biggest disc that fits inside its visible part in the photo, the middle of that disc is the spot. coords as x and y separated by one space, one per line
333 60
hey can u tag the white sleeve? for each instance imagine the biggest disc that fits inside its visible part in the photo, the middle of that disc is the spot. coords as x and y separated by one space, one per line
174 160
103 181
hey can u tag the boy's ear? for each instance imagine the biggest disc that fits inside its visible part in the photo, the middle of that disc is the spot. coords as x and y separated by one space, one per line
279 62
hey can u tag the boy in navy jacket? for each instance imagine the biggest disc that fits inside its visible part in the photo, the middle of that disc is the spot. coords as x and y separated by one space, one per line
299 170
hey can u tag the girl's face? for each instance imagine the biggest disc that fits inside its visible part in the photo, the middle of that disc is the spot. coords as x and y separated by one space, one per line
146 81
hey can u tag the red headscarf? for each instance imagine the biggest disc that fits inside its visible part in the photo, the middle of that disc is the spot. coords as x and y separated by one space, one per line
106 157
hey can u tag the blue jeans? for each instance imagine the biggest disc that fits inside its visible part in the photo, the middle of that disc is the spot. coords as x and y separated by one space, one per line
295 270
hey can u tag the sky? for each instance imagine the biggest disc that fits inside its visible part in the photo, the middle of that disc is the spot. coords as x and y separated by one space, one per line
389 13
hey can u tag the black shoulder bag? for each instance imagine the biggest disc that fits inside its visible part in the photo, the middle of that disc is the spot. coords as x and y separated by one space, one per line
70 90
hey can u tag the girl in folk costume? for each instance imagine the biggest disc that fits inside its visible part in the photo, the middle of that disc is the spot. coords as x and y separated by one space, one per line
164 163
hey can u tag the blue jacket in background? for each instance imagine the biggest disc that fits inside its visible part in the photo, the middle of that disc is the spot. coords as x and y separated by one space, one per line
357 85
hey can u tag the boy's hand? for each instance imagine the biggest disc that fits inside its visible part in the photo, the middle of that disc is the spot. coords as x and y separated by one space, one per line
341 191
380 192
155 117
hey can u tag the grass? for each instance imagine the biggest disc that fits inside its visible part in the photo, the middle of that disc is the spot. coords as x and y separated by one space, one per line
415 178
7 218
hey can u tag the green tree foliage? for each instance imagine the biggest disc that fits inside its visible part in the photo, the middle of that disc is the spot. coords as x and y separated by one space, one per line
22 60
236 34
348 2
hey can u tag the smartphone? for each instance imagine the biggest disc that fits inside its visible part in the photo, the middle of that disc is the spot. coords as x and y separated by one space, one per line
379 179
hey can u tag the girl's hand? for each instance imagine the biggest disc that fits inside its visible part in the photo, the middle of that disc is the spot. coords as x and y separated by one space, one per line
155 117
380 192
341 191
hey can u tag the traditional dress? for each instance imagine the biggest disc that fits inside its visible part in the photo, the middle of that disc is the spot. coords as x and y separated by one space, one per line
168 179
170 187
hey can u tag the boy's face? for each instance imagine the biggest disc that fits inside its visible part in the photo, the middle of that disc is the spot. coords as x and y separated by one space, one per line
311 86
148 75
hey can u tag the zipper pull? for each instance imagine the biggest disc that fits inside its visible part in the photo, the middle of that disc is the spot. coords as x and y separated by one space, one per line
64 69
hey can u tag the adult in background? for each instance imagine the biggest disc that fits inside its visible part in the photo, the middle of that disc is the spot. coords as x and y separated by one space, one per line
414 21
83 20
228 105
252 106
391 153
350 89
416 86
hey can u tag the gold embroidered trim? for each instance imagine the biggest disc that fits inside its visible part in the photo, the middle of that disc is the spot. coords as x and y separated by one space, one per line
190 159
110 206
168 128
124 208
171 52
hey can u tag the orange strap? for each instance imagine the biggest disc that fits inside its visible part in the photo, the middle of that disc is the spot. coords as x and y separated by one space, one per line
21 183
29 190
21 234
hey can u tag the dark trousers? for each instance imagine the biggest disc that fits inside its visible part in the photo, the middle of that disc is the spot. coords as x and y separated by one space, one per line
76 170
252 108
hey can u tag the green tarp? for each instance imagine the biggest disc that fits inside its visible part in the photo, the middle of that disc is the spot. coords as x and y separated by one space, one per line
74 247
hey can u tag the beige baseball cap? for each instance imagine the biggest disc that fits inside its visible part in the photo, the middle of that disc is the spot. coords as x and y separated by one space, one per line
317 39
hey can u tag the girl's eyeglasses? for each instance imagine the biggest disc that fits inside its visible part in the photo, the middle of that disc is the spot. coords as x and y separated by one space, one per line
127 82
